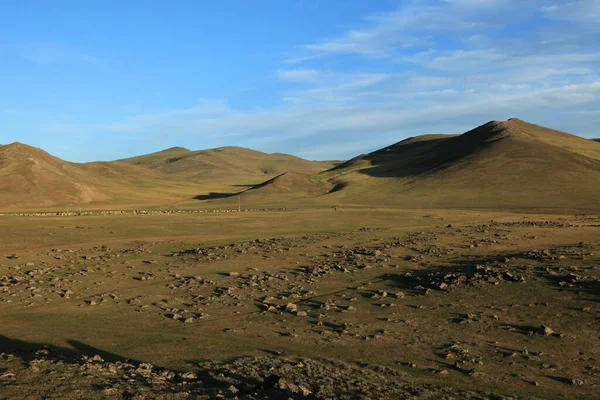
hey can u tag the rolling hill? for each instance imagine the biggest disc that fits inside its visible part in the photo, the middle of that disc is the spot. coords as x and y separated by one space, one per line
287 186
233 164
508 164
30 177
502 164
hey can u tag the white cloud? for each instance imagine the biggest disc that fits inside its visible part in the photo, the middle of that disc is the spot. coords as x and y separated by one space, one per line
298 74
581 11
342 130
419 69
415 24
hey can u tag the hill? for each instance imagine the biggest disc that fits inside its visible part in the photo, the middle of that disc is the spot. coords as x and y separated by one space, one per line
289 185
233 164
501 164
508 164
30 177
596 140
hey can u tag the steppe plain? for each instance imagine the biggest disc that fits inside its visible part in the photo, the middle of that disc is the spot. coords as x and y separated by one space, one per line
285 293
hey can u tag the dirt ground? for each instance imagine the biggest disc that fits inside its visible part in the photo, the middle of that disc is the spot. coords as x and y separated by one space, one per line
305 304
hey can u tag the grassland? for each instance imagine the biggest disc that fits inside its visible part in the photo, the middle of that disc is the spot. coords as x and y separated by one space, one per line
440 267
422 303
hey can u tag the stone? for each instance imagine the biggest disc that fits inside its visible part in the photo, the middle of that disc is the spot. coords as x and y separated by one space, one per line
189 376
545 330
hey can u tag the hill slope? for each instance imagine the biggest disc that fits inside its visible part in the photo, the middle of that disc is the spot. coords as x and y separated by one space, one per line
510 164
235 164
30 177
286 186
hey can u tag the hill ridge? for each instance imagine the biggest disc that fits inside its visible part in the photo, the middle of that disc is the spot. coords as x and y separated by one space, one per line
228 163
498 164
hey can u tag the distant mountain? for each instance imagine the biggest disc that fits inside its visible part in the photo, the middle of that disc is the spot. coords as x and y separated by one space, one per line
509 164
596 140
244 166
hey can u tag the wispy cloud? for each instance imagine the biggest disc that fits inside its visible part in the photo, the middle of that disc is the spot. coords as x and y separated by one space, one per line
415 24
299 74
582 11
439 66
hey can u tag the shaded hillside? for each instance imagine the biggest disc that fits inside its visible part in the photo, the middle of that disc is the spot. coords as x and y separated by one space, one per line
231 163
596 140
499 164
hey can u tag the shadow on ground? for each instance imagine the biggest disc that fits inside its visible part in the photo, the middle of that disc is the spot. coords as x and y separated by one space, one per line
214 196
115 375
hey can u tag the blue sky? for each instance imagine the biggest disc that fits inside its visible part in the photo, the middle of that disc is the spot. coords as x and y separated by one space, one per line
321 79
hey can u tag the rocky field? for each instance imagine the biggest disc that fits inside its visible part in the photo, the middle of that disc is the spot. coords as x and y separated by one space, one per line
431 305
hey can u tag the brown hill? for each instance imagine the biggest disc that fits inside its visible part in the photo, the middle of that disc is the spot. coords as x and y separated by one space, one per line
288 185
30 177
510 164
234 164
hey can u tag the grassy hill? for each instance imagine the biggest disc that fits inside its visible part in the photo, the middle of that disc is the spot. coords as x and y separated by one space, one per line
30 177
288 186
509 164
235 165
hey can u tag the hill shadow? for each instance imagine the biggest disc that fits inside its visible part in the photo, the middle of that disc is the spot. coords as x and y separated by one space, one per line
29 351
210 379
214 196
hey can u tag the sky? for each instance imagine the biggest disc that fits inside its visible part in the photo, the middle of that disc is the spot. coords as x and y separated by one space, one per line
320 79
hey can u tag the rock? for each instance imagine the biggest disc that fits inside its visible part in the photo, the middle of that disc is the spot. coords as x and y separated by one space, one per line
189 376
7 376
577 382
96 359
291 307
276 381
546 331
233 389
